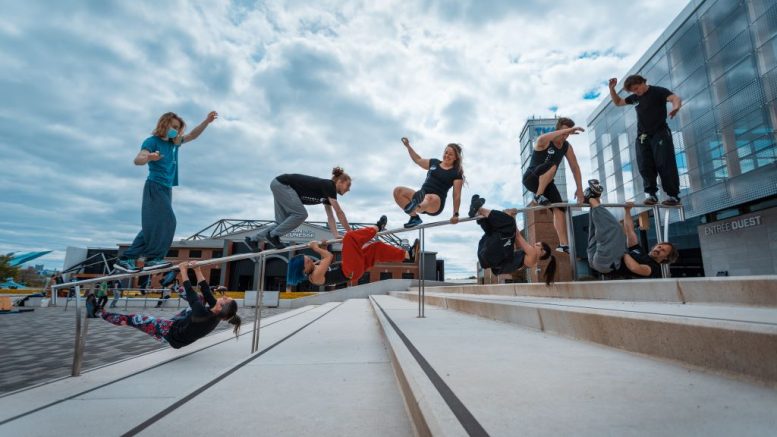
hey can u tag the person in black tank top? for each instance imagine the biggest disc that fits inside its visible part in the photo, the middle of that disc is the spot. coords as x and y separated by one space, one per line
360 253
502 248
546 157
440 177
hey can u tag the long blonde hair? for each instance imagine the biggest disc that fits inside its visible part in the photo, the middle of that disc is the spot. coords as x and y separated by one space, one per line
163 124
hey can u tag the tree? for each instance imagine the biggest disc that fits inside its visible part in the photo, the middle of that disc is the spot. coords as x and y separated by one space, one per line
6 269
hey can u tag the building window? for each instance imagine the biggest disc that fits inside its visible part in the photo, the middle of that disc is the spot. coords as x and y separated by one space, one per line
365 279
172 253
195 253
385 275
215 277
217 254
408 275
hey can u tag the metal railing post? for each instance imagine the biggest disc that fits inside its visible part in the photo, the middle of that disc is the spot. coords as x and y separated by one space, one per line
660 237
421 275
571 243
258 313
76 370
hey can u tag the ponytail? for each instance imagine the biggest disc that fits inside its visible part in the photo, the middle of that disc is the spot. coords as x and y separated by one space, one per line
339 174
229 313
550 269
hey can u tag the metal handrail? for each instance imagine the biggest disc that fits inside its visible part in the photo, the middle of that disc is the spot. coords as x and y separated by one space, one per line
261 257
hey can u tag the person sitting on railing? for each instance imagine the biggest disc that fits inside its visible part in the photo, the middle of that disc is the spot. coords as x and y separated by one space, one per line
192 323
160 152
614 249
291 192
502 248
440 177
359 255
549 150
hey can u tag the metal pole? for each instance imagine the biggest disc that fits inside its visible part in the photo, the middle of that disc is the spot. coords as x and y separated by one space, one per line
421 275
258 306
76 370
571 242
659 238
666 225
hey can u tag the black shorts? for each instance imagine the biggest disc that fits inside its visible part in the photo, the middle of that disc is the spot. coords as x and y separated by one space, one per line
500 223
420 196
531 180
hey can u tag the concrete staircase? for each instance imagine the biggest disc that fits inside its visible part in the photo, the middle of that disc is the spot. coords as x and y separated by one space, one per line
666 357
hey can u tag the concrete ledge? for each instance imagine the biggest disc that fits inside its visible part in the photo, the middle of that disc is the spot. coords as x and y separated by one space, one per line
742 290
740 348
357 292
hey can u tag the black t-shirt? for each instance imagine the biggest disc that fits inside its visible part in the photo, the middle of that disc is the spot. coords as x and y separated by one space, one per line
640 257
651 109
198 323
438 180
551 154
311 190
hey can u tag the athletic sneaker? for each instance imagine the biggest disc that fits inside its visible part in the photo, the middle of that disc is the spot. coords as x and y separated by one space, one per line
416 200
542 200
252 244
413 222
671 201
651 199
562 248
412 251
596 187
275 241
126 265
475 205
382 222
156 264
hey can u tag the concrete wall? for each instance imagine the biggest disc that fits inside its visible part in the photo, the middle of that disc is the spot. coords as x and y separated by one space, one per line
742 245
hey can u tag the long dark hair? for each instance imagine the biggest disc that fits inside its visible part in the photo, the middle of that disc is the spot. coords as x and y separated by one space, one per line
229 313
550 269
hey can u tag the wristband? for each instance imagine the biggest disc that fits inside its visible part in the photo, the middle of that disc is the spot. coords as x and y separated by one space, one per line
455 214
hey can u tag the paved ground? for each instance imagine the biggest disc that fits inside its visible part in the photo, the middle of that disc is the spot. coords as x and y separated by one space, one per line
38 346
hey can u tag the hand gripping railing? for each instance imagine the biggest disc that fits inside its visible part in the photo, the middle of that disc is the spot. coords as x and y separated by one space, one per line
261 258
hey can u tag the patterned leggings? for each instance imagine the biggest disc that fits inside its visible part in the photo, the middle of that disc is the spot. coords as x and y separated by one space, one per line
157 328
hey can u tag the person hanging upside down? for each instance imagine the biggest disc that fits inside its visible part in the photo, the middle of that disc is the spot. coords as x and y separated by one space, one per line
359 255
615 249
442 175
549 150
189 325
502 248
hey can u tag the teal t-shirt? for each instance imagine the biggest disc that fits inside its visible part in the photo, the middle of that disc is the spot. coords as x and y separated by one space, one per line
164 171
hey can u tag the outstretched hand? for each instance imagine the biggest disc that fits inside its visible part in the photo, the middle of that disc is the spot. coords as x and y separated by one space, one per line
612 83
576 130
212 116
454 219
406 142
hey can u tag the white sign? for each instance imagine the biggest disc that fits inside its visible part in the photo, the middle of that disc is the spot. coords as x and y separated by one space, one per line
302 234
733 225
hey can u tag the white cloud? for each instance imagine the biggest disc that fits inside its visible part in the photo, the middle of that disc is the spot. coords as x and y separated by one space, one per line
300 87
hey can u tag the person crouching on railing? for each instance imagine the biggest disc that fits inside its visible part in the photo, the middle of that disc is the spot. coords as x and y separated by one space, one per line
192 323
359 255
502 248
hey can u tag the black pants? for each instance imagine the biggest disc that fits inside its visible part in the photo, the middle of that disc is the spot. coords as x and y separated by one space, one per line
655 157
101 301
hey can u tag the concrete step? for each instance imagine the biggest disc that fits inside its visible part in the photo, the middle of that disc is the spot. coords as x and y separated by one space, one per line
333 378
740 290
465 375
133 390
738 340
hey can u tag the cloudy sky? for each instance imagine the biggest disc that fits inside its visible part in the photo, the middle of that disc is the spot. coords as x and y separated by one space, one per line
301 87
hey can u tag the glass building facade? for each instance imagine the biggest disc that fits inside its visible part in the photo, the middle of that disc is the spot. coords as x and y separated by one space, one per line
720 57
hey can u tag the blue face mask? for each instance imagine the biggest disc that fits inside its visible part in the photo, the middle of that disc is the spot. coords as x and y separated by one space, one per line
172 133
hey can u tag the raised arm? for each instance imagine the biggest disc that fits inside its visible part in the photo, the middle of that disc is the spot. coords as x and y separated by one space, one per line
423 163
677 103
204 287
616 99
628 226
340 214
457 184
531 254
575 167
317 277
191 136
545 139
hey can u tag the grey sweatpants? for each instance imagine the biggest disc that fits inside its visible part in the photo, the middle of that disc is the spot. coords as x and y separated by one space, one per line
606 240
289 211
157 223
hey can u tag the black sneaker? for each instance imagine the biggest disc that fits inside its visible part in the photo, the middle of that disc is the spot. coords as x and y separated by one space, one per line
416 200
126 266
252 244
671 201
381 224
651 199
275 242
562 248
156 264
475 205
413 222
412 251
542 200
596 188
